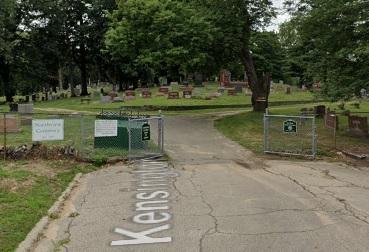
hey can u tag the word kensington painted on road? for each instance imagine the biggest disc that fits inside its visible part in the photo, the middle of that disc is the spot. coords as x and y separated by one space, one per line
153 183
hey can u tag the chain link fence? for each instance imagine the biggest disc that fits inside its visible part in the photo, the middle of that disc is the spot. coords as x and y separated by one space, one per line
108 134
290 135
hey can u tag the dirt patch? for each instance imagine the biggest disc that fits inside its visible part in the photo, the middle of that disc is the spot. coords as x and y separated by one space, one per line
12 185
39 167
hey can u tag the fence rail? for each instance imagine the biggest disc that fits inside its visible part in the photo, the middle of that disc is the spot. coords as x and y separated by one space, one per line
290 135
77 134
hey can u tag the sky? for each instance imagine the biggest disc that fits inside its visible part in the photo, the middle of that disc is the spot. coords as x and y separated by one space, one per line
282 16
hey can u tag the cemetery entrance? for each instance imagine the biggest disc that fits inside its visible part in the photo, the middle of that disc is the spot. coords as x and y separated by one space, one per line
290 135
138 136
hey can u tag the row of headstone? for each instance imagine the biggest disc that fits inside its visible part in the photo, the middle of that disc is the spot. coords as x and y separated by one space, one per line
358 125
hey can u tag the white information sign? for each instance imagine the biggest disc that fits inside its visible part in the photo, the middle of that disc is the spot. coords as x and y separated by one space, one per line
47 130
106 128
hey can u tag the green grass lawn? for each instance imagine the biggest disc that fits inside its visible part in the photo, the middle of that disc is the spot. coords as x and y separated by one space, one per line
74 104
27 190
247 129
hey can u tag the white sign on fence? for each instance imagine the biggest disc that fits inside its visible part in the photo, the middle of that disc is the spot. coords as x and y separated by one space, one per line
47 130
106 128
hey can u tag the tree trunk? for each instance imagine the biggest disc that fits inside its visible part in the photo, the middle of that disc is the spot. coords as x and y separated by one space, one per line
259 98
60 77
71 82
83 66
9 91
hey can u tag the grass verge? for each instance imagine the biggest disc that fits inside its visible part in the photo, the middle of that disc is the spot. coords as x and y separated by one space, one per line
247 129
27 190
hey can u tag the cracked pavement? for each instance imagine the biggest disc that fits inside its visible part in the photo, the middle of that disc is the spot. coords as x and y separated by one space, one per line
225 199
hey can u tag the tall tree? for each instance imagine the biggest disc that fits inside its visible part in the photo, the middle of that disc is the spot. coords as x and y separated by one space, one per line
164 37
9 20
237 21
336 41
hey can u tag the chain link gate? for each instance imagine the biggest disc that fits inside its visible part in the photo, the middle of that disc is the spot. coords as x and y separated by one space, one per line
146 137
290 135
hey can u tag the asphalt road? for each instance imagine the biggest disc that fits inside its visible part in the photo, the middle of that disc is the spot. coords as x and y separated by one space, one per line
215 197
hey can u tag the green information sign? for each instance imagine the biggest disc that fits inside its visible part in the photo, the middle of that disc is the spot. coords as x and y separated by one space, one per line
146 132
290 126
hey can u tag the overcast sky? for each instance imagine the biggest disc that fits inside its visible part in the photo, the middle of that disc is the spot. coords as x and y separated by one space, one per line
282 16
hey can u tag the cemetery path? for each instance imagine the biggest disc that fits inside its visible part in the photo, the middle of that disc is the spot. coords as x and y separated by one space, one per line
224 199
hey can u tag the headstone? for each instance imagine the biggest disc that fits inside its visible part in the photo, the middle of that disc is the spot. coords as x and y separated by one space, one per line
198 79
238 88
129 98
105 99
320 111
25 108
118 99
174 87
113 94
358 126
163 81
187 94
26 121
146 94
216 95
164 90
232 92
288 90
77 91
363 93
173 95
221 90
11 125
13 107
331 121
130 94
225 78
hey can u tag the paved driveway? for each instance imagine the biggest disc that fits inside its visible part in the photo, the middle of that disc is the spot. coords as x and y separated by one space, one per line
223 199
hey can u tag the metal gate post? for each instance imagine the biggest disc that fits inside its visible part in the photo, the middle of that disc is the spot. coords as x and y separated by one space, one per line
315 147
266 132
129 139
82 137
4 136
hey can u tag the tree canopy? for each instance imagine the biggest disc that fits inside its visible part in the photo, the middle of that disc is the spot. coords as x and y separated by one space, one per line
46 44
328 42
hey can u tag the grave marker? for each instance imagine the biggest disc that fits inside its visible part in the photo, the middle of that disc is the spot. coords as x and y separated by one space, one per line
9 125
164 90
358 126
187 94
130 93
25 108
105 99
173 95
231 92
146 94
320 111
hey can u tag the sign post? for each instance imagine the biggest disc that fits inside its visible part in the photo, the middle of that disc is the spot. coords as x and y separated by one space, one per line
146 132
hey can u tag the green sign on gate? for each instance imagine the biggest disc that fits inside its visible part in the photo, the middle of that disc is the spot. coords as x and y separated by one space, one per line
146 132
290 126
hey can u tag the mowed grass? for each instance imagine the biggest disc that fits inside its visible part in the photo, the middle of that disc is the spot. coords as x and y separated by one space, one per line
27 190
200 94
247 129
